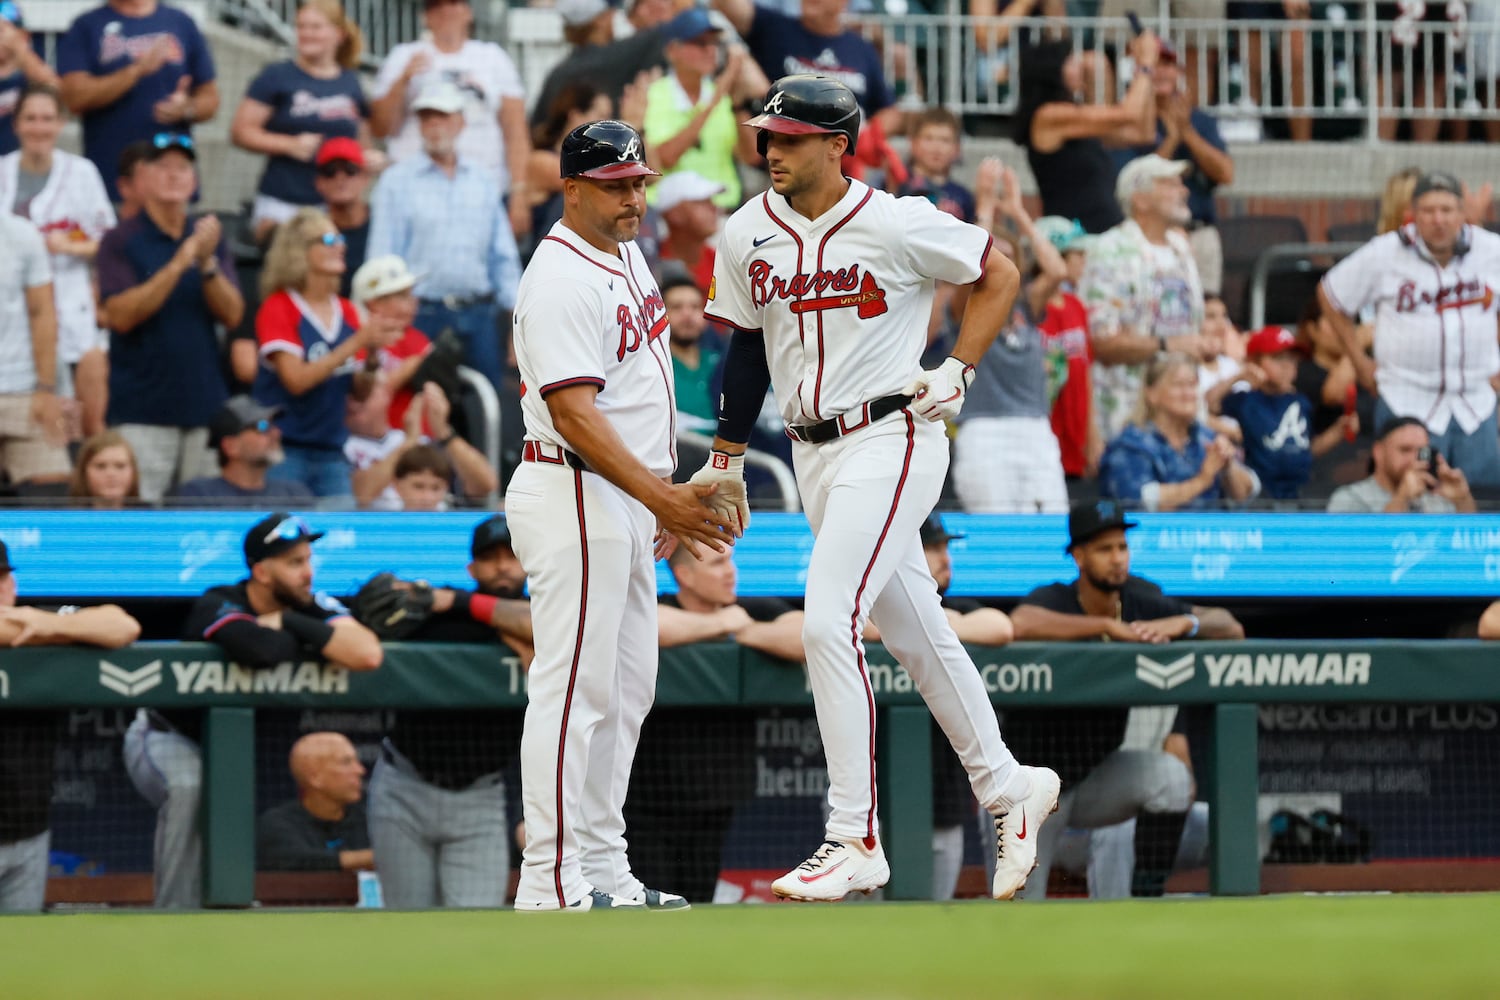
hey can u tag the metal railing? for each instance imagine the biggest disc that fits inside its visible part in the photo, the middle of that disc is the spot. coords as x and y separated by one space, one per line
786 482
489 406
1277 257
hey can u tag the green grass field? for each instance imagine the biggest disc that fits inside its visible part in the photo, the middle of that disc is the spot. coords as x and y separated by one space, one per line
1324 947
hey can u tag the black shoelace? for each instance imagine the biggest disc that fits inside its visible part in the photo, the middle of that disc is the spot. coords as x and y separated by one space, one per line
820 855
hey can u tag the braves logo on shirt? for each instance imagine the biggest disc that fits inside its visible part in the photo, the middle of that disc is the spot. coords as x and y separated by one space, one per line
867 298
334 108
652 318
1472 292
114 45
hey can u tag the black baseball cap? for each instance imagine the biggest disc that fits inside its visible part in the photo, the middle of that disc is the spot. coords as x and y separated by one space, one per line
238 414
933 532
273 535
1086 521
5 566
1395 424
1437 180
488 534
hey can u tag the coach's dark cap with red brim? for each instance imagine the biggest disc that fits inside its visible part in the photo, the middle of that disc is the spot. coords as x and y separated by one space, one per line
1087 521
276 534
491 533
604 151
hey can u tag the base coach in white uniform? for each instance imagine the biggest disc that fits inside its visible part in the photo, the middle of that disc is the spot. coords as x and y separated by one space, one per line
590 508
828 285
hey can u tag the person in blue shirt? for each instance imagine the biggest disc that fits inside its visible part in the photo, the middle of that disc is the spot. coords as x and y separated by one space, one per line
293 107
165 281
934 150
19 65
1165 459
443 215
1274 417
131 69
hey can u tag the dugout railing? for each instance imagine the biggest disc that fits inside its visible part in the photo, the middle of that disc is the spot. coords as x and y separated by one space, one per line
1231 678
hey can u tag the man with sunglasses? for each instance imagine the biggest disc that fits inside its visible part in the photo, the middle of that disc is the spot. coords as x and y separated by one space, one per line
131 68
270 617
166 279
342 182
247 442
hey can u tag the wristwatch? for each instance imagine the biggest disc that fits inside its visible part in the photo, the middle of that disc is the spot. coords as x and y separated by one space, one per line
210 269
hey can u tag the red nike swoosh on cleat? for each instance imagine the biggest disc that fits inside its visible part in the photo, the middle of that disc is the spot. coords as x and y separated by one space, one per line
809 881
1022 834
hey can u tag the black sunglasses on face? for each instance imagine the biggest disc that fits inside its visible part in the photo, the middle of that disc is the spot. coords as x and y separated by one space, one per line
339 168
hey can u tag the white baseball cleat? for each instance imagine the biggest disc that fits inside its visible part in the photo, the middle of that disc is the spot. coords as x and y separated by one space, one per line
655 899
835 870
1016 830
600 900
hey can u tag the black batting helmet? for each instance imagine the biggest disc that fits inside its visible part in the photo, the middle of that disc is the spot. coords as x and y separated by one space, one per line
806 103
604 151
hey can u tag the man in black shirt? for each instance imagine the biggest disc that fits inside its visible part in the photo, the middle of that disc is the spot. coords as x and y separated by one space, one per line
437 797
1108 778
323 829
28 739
694 766
270 617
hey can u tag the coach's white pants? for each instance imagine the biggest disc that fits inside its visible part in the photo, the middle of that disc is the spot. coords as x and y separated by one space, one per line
1009 465
587 549
866 496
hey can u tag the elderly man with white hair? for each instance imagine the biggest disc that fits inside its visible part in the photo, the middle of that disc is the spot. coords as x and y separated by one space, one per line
1141 287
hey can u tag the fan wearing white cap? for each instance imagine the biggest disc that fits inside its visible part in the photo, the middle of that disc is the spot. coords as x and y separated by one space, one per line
693 114
1141 287
382 292
443 214
685 202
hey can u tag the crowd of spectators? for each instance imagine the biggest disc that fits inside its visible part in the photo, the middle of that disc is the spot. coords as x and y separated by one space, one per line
435 185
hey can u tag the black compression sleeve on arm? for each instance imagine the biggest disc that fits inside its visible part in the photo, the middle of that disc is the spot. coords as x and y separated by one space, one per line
747 376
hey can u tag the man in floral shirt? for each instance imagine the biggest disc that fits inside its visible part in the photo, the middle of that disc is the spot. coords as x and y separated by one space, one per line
1141 287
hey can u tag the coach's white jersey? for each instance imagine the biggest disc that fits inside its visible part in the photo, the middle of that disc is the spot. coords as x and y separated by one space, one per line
72 202
585 317
1435 348
843 300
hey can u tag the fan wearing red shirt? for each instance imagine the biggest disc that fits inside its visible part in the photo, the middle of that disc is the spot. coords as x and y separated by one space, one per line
1065 331
382 291
310 345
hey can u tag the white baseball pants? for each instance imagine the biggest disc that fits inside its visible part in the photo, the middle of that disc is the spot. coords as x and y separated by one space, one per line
587 549
866 495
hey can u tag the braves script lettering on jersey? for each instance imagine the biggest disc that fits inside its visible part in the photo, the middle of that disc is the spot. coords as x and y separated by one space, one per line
1435 348
842 302
585 317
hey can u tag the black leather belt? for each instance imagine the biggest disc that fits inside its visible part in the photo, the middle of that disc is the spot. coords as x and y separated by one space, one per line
551 454
457 302
847 423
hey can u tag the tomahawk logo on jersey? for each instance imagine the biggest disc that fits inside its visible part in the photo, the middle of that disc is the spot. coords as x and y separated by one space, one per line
843 307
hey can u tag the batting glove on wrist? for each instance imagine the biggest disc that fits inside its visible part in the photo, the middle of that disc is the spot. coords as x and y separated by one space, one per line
727 472
938 393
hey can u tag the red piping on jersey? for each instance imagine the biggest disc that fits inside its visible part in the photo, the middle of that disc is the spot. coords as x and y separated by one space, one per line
562 733
602 267
822 244
567 382
720 319
765 201
984 258
651 340
854 631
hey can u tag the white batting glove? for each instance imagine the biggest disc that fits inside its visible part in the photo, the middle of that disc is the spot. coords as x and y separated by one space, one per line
727 472
938 393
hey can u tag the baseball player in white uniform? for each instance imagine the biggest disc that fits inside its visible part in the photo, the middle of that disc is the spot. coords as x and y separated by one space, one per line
1432 285
828 285
590 508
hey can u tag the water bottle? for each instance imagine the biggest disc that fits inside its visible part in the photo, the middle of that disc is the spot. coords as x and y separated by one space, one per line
370 896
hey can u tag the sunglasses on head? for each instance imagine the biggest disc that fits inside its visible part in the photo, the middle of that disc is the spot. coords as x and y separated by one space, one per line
172 140
9 12
331 239
290 530
339 168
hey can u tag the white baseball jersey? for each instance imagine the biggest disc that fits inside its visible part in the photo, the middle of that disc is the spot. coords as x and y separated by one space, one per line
1435 348
72 202
843 300
585 317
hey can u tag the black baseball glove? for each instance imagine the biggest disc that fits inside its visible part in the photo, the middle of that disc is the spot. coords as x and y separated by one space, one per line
391 607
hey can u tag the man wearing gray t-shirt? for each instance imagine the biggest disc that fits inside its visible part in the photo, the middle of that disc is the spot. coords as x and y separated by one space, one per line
1409 477
32 432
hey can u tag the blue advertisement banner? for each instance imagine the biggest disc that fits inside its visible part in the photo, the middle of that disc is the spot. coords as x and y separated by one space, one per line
98 554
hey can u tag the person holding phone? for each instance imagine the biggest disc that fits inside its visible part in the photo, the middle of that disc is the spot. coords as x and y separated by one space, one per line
1409 477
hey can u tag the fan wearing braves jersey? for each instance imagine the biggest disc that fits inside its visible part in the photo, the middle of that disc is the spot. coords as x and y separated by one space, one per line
590 509
829 285
1432 285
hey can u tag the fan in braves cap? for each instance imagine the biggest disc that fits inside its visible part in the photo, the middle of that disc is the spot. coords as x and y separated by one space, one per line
828 285
590 509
